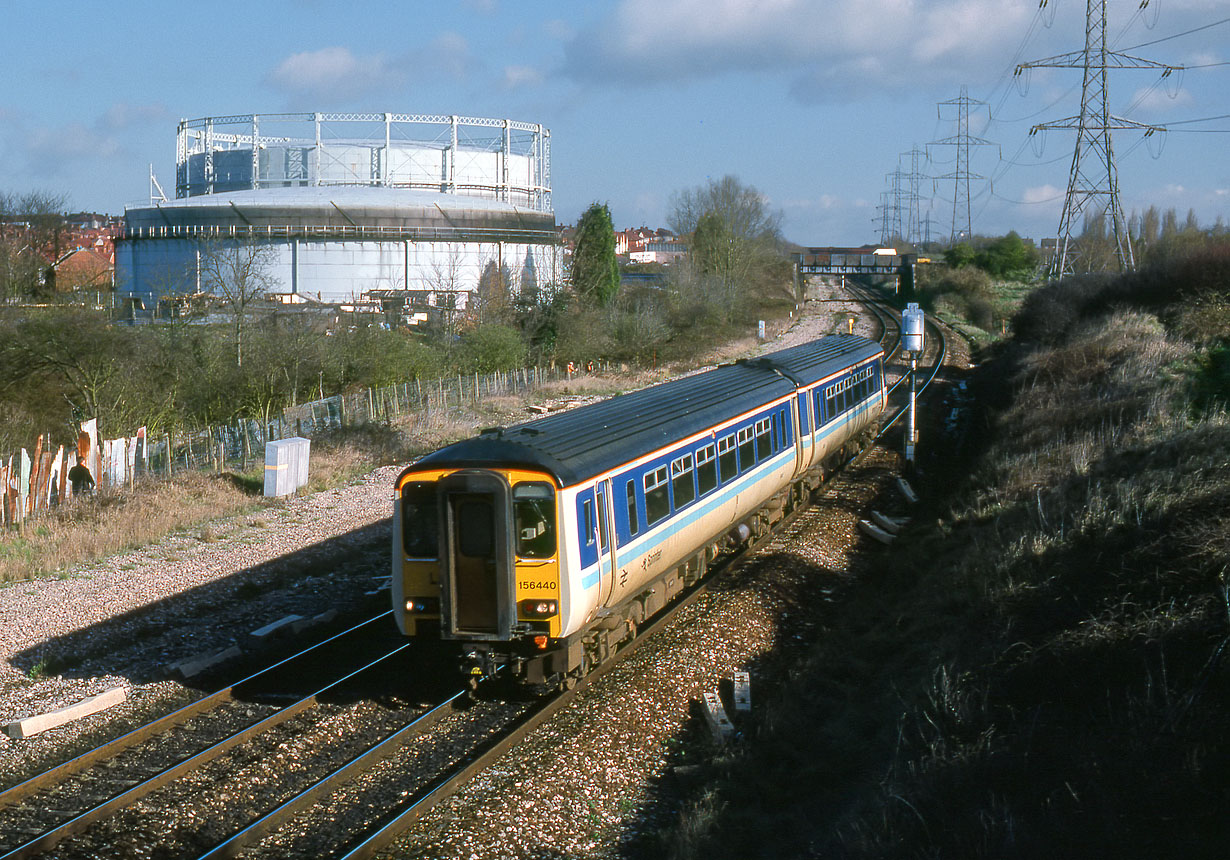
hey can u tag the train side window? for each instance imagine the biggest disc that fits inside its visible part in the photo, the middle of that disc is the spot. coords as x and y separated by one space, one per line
588 507
706 469
657 500
683 480
727 461
747 449
764 438
420 520
534 519
601 521
633 523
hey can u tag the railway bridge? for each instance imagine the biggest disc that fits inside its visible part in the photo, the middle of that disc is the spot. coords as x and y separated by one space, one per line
869 260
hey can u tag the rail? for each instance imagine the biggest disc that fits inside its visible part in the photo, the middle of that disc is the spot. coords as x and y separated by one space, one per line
80 821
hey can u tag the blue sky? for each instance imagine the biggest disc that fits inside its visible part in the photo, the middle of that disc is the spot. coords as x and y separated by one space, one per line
810 101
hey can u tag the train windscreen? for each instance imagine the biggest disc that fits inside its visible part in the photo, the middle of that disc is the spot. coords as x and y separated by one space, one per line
534 518
420 520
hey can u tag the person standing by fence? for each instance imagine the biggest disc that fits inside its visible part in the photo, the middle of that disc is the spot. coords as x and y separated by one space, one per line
81 479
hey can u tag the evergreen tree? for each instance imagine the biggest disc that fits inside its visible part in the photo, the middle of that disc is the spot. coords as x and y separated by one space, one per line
595 271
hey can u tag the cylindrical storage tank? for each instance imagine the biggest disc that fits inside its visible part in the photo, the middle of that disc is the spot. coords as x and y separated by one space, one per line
912 328
346 206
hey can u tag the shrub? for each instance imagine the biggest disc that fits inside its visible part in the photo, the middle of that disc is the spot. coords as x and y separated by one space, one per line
489 348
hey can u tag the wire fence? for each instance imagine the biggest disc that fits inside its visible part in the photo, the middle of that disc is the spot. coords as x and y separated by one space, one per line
32 485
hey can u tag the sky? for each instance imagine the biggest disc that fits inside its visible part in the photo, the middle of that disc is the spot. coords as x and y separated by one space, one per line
812 102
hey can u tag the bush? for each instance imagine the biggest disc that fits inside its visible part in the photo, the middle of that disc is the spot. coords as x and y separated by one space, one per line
968 281
1006 255
490 348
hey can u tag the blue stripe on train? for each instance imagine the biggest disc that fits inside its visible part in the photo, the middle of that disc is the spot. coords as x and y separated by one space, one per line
591 575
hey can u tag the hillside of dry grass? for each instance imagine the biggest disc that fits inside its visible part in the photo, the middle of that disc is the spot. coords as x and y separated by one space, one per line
1039 668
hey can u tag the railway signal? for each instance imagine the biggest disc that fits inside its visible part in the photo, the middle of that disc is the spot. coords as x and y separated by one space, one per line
912 342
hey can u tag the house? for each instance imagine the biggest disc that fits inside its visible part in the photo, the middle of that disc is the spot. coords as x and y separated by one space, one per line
660 249
88 268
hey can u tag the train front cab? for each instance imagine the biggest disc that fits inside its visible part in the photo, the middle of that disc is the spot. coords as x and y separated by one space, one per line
477 551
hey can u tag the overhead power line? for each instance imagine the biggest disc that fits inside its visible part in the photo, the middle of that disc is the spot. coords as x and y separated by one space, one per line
1201 119
1177 35
1093 181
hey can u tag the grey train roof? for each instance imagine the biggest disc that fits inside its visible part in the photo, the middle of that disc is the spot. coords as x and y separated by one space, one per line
590 440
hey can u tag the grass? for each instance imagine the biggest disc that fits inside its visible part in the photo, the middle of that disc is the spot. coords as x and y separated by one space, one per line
104 524
1041 669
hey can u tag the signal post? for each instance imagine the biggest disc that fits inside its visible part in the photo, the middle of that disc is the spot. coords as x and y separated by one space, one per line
912 342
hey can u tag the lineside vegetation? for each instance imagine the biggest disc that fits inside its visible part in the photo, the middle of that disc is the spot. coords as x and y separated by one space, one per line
1039 668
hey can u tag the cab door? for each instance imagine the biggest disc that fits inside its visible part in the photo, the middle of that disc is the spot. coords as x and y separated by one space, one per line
477 592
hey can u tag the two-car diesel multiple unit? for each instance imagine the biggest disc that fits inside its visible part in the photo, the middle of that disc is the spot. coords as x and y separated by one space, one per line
541 547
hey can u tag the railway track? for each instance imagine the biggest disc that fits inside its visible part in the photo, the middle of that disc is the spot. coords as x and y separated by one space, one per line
142 794
342 806
37 814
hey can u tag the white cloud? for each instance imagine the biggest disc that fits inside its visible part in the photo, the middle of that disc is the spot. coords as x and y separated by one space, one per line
1156 100
334 72
516 77
831 49
1043 194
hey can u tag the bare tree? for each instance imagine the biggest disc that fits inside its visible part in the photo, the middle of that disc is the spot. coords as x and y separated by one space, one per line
733 234
238 274
32 231
444 280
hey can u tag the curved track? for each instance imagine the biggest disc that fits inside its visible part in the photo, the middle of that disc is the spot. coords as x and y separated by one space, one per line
368 791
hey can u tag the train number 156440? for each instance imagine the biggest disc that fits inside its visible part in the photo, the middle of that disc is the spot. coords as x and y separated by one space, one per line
537 585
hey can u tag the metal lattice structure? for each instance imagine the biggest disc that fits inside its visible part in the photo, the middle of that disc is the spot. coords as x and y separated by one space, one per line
895 195
1093 181
962 225
499 159
913 223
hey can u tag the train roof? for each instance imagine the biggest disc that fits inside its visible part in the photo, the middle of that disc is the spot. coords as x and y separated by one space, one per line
590 440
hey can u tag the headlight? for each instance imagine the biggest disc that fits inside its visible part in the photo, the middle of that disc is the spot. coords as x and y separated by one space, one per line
422 604
539 608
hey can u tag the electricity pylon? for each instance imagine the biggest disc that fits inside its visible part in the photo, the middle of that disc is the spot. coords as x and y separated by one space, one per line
1093 182
913 225
962 140
895 209
885 219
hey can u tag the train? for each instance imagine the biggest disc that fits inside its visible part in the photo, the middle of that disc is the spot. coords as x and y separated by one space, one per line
540 548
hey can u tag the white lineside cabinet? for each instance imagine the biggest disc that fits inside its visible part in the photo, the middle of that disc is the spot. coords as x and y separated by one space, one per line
286 465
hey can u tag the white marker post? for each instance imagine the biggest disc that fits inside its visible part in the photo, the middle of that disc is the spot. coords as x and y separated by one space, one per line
912 342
